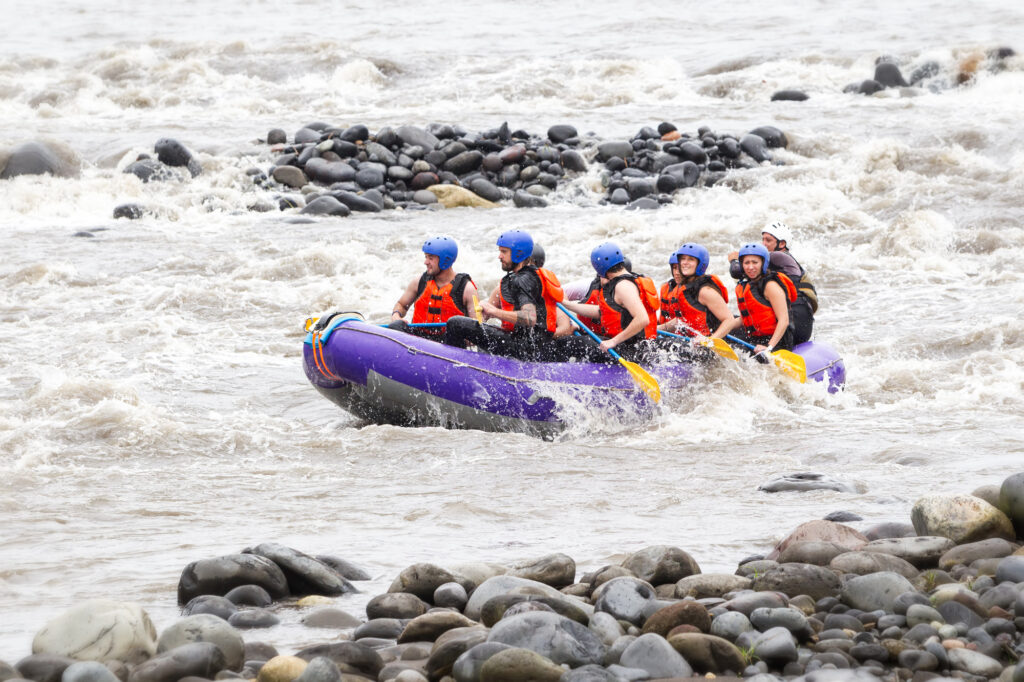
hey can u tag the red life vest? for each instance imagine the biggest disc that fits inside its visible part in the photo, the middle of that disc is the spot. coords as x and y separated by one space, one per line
615 318
755 310
438 304
551 293
593 297
696 316
669 301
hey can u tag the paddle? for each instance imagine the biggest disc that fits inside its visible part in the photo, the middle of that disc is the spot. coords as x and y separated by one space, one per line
648 383
717 345
476 307
788 362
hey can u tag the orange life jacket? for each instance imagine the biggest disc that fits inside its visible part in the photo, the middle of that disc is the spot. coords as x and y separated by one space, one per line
755 310
669 301
696 316
438 304
551 293
615 318
593 297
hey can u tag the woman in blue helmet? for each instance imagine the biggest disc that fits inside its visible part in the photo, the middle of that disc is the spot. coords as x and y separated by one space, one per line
764 299
701 302
524 304
439 293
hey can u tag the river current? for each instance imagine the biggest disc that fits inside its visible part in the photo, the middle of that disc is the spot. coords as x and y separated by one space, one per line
153 409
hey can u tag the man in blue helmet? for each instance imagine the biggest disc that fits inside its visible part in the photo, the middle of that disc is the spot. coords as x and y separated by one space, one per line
524 303
438 294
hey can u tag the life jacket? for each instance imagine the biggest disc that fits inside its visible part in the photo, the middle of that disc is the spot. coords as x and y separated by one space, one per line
669 301
551 293
696 316
593 297
438 304
615 318
804 285
755 310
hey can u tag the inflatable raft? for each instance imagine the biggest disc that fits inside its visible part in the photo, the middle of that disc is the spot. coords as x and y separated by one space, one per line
390 377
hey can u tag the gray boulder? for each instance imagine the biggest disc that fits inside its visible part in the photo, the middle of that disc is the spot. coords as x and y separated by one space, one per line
198 659
1011 569
505 584
803 482
86 671
862 563
661 564
710 585
326 205
730 625
422 580
776 647
320 669
793 579
629 599
400 605
875 591
556 570
556 637
654 654
413 136
43 667
305 575
467 666
99 630
793 620
38 158
922 552
205 628
1011 501
961 518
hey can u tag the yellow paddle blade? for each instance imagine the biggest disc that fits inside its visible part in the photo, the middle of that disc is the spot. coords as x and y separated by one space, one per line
791 364
720 347
646 381
310 321
476 308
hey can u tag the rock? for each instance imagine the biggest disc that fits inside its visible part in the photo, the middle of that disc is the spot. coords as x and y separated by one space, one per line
811 552
205 628
450 646
974 662
627 599
99 630
199 659
282 669
983 549
499 606
43 667
823 531
661 564
590 673
888 74
430 626
755 147
803 482
486 189
290 176
605 627
344 568
746 602
249 595
776 647
1011 569
882 531
39 158
558 638
467 667
411 135
305 574
764 619
354 655
129 211
173 153
921 613
572 161
708 654
556 570
421 580
522 199
562 132
150 170
518 665
250 619
452 595
1011 501
211 604
789 96
320 669
400 605
961 518
328 172
85 671
614 149
874 591
424 197
326 205
452 196
662 621
729 626
862 563
463 163
710 585
505 584
358 202
330 617
654 654
922 552
774 137
794 579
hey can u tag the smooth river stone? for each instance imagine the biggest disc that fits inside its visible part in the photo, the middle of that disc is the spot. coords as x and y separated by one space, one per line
99 630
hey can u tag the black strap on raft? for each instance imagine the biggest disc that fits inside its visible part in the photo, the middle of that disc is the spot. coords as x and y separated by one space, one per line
322 323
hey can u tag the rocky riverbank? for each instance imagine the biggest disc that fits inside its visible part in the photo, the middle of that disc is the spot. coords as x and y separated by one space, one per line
939 597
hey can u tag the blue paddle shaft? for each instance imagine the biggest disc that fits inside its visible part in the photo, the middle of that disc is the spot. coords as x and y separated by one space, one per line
586 329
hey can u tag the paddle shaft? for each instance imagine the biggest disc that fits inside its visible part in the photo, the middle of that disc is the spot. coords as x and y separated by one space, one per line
586 329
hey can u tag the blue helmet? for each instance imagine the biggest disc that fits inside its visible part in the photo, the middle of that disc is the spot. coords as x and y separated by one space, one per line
696 251
606 256
444 248
758 250
673 259
520 243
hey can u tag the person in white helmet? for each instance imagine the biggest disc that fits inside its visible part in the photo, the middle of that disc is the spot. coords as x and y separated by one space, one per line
777 237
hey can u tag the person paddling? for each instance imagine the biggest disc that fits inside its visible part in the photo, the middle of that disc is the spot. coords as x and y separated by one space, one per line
701 301
763 298
669 294
524 303
438 294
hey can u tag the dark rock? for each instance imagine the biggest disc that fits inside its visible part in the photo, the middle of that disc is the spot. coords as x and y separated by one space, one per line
560 133
328 173
431 625
290 176
643 203
250 619
173 153
614 149
486 189
129 211
755 147
306 135
685 173
885 531
870 87
558 638
411 135
305 574
358 133
424 180
369 177
277 136
220 575
924 72
148 170
352 654
401 605
662 621
497 607
199 659
805 481
42 667
211 604
888 74
464 162
344 148
468 665
626 599
572 161
842 517
523 199
691 152
789 96
450 646
1011 502
249 595
355 202
772 136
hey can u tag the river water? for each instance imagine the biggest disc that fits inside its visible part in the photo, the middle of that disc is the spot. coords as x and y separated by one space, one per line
153 409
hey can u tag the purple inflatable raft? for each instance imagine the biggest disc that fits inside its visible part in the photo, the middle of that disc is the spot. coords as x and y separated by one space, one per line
389 377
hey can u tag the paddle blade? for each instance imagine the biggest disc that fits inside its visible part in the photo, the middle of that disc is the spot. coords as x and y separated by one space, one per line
791 365
721 347
476 308
310 321
645 380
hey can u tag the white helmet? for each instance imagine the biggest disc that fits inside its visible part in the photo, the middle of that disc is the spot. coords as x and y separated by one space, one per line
779 230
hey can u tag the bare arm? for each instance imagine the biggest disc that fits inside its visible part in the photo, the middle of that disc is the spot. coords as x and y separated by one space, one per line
467 298
525 317
585 309
406 300
710 298
563 325
628 296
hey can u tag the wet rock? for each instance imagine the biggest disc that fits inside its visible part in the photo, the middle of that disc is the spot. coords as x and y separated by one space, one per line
38 158
327 172
730 625
794 579
450 646
356 202
776 647
198 659
662 621
305 574
330 617
251 619
506 584
518 664
842 517
424 197
789 96
572 161
888 74
468 666
129 211
430 626
614 149
173 153
411 135
755 147
401 605
875 591
922 552
655 655
558 638
249 595
210 604
707 653
486 189
661 564
710 585
562 132
43 667
556 570
870 87
451 196
85 671
99 630
862 563
805 481
961 518
306 136
326 205
205 628
1011 501
290 176
628 599
815 552
277 136
359 657
149 170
